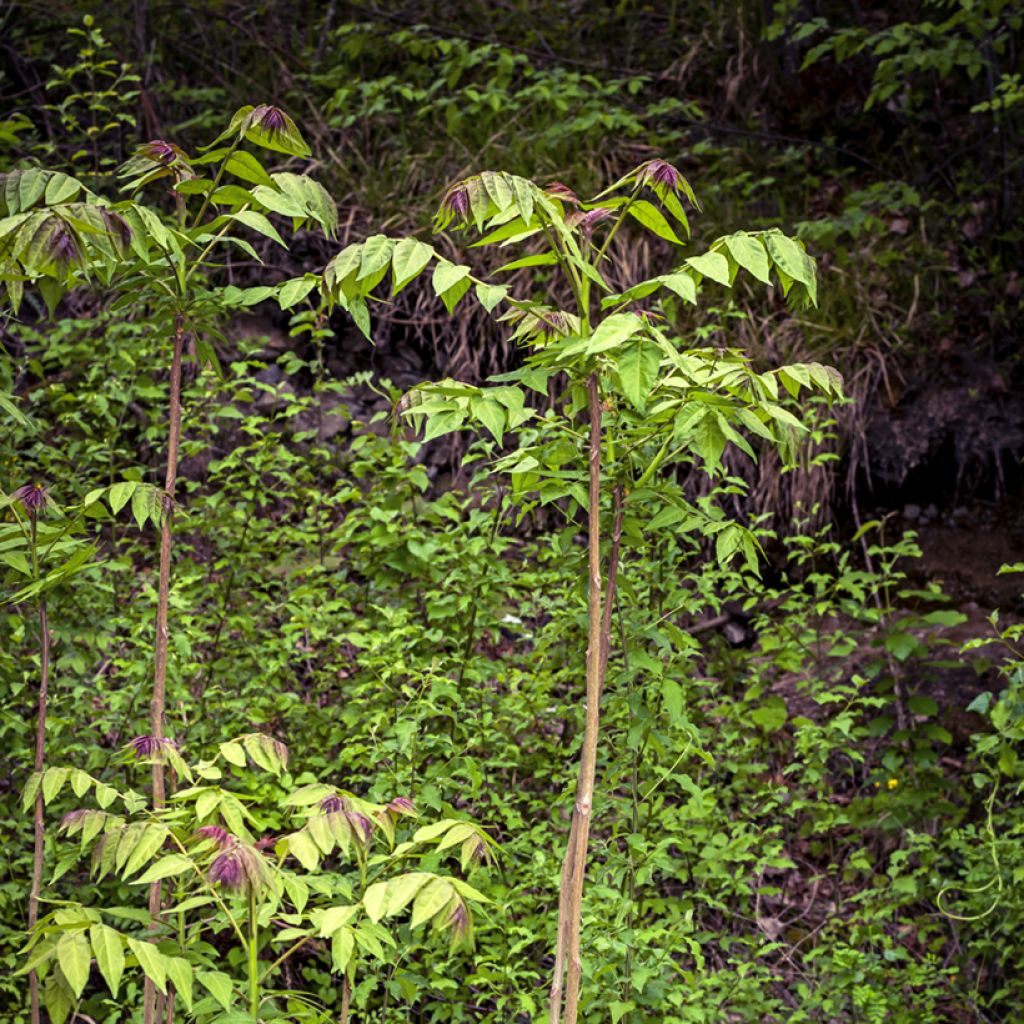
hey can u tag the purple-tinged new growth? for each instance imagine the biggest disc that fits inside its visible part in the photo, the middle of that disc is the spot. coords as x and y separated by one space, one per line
589 220
117 226
217 834
71 817
648 315
458 921
227 869
145 747
161 152
63 248
361 825
237 867
270 119
402 805
559 191
456 201
333 804
659 174
32 498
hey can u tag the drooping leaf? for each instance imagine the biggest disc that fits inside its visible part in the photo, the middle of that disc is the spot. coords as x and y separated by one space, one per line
108 948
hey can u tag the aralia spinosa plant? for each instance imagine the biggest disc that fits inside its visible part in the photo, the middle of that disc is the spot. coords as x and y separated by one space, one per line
613 383
336 884
56 234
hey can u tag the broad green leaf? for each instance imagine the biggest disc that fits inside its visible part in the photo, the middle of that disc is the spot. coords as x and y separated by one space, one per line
206 803
431 900
428 833
489 295
80 782
402 889
149 843
179 971
152 962
637 366
447 275
57 999
375 901
713 265
342 946
790 257
613 331
653 219
233 195
108 948
53 781
749 252
491 415
245 166
277 202
302 847
376 255
233 753
292 292
219 985
454 295
120 493
166 867
683 285
260 224
74 958
409 258
61 188
334 918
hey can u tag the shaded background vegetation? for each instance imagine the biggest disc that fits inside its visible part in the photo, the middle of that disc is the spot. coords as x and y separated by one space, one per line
324 582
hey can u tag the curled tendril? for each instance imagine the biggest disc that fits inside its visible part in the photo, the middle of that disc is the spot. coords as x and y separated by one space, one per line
996 879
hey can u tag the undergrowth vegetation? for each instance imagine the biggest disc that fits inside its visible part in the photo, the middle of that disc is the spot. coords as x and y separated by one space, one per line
323 687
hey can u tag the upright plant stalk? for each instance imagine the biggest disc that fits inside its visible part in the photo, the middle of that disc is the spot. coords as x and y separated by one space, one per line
151 1010
567 958
38 827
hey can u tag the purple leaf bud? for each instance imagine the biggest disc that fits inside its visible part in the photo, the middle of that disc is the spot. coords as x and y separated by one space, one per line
117 226
147 747
62 245
559 191
32 498
270 119
216 834
227 869
71 817
333 804
456 200
458 921
659 173
161 152
592 218
361 825
402 805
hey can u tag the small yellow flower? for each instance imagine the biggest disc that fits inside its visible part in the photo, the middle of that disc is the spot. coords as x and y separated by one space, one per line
893 783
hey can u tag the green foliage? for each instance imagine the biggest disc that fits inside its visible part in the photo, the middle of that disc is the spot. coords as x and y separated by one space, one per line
328 879
806 829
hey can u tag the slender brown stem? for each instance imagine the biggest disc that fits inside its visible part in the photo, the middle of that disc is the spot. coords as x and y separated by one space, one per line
37 856
571 902
346 998
151 1010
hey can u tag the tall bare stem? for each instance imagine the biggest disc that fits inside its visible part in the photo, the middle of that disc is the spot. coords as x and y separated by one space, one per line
568 958
37 854
151 1010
